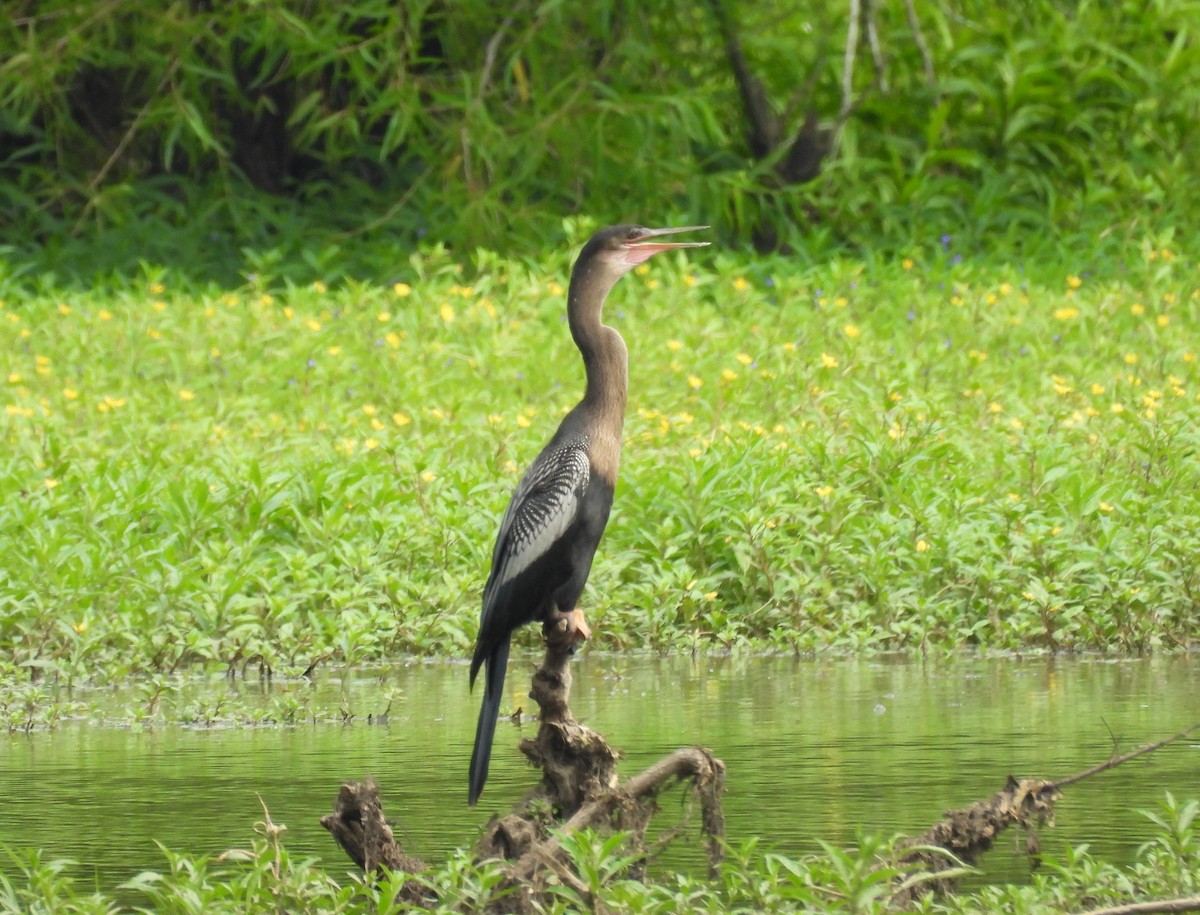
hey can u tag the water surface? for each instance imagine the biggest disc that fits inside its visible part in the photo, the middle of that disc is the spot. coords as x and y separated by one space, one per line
819 749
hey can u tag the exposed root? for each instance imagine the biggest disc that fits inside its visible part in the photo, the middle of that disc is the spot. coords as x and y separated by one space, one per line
967 833
580 788
357 824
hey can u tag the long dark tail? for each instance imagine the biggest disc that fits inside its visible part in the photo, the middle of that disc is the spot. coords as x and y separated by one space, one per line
493 690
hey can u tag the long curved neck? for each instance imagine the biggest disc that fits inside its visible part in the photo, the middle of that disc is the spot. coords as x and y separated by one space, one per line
604 354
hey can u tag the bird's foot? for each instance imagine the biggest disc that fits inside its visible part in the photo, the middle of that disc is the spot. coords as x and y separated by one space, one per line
569 629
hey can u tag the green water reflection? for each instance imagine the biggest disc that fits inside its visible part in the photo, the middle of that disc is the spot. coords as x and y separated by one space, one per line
814 749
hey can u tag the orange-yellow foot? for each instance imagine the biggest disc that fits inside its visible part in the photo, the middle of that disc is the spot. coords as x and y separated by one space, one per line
568 628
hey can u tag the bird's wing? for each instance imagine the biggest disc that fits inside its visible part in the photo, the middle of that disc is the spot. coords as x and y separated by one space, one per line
544 505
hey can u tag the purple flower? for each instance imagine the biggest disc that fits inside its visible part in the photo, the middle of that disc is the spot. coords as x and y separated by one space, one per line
946 239
312 363
912 315
769 282
957 259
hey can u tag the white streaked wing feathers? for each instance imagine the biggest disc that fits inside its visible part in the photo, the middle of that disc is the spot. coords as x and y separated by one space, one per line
543 507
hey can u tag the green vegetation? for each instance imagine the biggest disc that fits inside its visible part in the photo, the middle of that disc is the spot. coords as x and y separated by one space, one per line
927 452
479 124
861 880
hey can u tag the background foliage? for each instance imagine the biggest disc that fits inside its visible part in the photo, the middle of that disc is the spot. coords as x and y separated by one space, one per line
477 122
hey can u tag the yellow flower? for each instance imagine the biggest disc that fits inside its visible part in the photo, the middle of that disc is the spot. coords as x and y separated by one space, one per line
1130 358
185 394
1137 308
401 419
318 287
1105 507
851 330
745 358
49 482
334 350
377 424
369 409
383 317
70 393
694 382
1016 423
674 345
994 407
153 333
824 491
689 280
371 443
104 314
830 362
428 476
159 306
1163 320
1074 282
393 339
1117 408
556 289
1097 389
312 324
740 284
907 263
15 378
403 290
711 595
523 421
64 308
1066 314
922 546
157 288
446 311
728 374
1005 288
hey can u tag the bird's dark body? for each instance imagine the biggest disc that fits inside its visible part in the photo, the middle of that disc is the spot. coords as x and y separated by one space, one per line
561 479
555 578
559 510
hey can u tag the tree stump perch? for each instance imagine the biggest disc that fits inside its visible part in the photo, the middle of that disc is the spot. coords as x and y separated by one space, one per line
579 789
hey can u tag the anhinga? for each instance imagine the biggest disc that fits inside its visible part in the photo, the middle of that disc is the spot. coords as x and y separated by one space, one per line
554 522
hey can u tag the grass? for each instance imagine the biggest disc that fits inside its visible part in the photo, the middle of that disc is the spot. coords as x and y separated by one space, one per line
265 877
929 451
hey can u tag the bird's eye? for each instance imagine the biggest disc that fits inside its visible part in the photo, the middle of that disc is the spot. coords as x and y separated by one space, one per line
635 232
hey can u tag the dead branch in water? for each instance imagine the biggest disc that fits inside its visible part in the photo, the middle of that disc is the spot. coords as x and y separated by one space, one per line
968 832
580 788
357 825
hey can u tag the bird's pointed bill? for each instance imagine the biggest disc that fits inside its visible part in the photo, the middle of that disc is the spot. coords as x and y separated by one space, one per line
645 245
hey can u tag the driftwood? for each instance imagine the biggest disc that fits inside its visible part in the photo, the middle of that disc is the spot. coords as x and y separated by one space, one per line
965 834
357 825
579 789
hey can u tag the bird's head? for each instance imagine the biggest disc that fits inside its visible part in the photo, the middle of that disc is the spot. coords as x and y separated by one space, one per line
621 248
